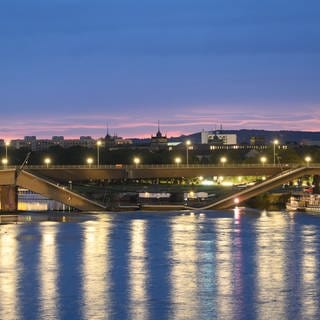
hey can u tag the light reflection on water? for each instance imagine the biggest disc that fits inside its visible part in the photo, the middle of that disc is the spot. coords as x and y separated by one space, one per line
95 272
214 265
138 276
270 264
224 267
9 274
184 272
48 272
310 273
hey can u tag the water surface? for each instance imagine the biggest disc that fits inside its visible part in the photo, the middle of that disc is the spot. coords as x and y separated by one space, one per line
168 265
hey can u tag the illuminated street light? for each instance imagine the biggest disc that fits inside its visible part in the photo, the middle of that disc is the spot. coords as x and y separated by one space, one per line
275 142
89 162
223 160
263 160
188 144
177 160
4 162
99 143
307 159
136 161
47 161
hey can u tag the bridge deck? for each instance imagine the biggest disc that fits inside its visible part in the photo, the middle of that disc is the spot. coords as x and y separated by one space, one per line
40 185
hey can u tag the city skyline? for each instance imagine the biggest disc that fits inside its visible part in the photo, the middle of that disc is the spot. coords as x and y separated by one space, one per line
75 68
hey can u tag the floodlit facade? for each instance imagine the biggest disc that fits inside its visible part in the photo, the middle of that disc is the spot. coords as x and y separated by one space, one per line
218 138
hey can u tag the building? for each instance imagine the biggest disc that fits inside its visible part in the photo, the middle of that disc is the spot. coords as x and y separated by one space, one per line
257 140
218 138
159 141
115 142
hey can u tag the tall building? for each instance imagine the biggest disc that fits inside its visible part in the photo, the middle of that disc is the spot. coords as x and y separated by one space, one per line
158 141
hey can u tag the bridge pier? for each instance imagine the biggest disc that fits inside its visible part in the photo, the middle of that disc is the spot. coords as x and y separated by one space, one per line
9 198
316 183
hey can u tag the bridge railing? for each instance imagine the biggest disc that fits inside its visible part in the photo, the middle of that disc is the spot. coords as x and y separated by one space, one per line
165 166
157 166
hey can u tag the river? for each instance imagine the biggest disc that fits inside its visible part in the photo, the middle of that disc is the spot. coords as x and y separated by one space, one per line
161 265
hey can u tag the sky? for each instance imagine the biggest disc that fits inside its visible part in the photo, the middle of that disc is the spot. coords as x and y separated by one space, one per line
78 67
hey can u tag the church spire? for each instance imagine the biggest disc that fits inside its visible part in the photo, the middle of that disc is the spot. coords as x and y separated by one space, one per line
107 135
159 134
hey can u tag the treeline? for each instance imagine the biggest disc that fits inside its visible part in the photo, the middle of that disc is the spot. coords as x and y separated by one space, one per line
78 155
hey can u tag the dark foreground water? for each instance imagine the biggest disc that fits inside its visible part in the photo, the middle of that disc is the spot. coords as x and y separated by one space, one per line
209 265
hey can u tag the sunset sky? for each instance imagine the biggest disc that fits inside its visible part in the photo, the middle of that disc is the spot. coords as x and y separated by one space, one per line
74 67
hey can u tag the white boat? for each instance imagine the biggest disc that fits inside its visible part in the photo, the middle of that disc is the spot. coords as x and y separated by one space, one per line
304 202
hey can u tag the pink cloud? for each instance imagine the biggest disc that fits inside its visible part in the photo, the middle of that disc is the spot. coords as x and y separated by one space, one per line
173 124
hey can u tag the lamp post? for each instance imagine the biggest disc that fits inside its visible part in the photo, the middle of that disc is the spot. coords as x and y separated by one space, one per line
7 144
47 161
89 162
188 143
223 160
307 159
177 160
275 142
98 151
263 160
4 162
136 161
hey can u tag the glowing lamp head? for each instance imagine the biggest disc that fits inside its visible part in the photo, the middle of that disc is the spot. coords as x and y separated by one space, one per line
307 159
223 160
136 160
263 159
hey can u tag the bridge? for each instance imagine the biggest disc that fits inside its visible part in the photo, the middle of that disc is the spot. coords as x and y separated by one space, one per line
262 187
122 172
45 180
12 178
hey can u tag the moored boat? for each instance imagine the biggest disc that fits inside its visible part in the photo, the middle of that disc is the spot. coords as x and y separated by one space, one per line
304 202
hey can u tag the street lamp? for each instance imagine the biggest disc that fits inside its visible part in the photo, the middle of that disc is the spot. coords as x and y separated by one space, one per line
263 160
99 143
275 142
307 159
47 161
136 161
188 143
223 160
177 160
4 162
89 162
7 144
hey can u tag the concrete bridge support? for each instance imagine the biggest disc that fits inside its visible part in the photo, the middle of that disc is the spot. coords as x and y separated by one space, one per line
9 198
